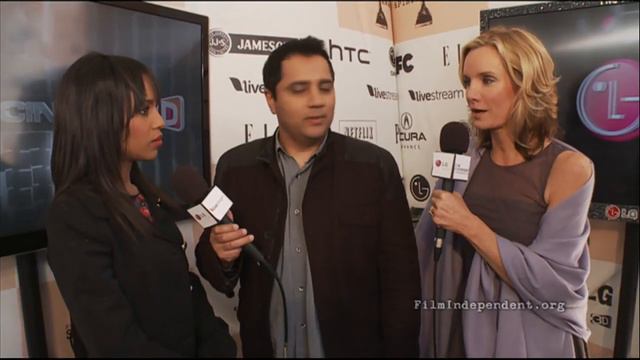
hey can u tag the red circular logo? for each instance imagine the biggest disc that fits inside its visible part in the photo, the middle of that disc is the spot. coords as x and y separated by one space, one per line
607 101
438 162
612 212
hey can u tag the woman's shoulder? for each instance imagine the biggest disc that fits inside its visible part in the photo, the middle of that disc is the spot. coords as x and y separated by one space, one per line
78 199
570 171
76 213
571 162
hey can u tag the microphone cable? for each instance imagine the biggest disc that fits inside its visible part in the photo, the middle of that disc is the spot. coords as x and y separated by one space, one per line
253 251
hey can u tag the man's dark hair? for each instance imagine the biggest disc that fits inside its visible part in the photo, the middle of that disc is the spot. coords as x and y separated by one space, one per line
272 70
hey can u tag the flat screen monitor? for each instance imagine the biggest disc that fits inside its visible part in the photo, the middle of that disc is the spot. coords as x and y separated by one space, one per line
595 49
40 40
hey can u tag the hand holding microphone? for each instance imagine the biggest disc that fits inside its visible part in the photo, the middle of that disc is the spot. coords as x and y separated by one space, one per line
212 208
228 240
450 212
449 165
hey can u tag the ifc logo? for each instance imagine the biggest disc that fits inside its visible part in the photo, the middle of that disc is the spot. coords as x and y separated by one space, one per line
219 42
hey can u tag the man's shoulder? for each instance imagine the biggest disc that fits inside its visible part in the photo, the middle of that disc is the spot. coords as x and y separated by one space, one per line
362 151
244 154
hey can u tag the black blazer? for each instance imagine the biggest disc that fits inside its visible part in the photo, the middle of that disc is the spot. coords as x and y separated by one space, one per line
129 298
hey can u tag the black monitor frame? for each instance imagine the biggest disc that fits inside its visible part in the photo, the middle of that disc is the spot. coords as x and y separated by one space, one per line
36 240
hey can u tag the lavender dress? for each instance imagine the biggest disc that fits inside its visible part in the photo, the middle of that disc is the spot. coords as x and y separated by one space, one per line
546 257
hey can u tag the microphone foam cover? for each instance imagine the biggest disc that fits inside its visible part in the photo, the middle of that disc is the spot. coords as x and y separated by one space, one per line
454 138
189 184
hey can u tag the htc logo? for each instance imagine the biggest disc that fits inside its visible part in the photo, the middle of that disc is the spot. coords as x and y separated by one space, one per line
352 53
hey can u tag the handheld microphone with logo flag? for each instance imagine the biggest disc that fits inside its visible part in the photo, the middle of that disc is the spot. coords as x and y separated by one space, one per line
208 207
450 165
211 208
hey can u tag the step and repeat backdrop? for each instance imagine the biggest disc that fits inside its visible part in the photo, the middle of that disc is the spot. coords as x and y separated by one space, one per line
396 67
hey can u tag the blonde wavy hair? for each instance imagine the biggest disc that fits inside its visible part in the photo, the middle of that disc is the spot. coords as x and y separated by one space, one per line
534 115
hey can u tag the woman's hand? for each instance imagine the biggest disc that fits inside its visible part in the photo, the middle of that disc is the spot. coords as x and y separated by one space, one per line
450 212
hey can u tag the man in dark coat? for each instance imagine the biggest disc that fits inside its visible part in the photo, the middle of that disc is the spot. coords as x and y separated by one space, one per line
330 213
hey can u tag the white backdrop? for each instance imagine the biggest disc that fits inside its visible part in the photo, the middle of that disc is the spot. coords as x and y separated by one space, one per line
359 56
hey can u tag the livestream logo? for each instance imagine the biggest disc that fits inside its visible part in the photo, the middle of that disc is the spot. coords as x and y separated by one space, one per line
246 86
607 101
381 94
172 111
436 95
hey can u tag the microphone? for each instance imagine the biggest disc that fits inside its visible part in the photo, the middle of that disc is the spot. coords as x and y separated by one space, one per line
450 165
208 207
211 208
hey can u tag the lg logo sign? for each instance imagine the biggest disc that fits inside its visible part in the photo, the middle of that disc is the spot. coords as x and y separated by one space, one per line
420 189
608 99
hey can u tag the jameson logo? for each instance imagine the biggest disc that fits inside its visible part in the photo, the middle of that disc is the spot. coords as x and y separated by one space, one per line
359 129
435 95
246 86
221 43
255 44
381 94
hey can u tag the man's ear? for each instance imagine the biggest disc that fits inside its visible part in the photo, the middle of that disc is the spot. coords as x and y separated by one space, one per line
271 101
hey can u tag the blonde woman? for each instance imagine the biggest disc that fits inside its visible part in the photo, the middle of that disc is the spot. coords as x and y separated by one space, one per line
516 261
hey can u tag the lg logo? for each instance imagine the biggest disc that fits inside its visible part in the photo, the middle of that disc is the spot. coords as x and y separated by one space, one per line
607 101
614 212
420 188
604 296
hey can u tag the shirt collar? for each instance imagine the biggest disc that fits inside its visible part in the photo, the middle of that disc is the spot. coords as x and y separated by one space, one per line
280 148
